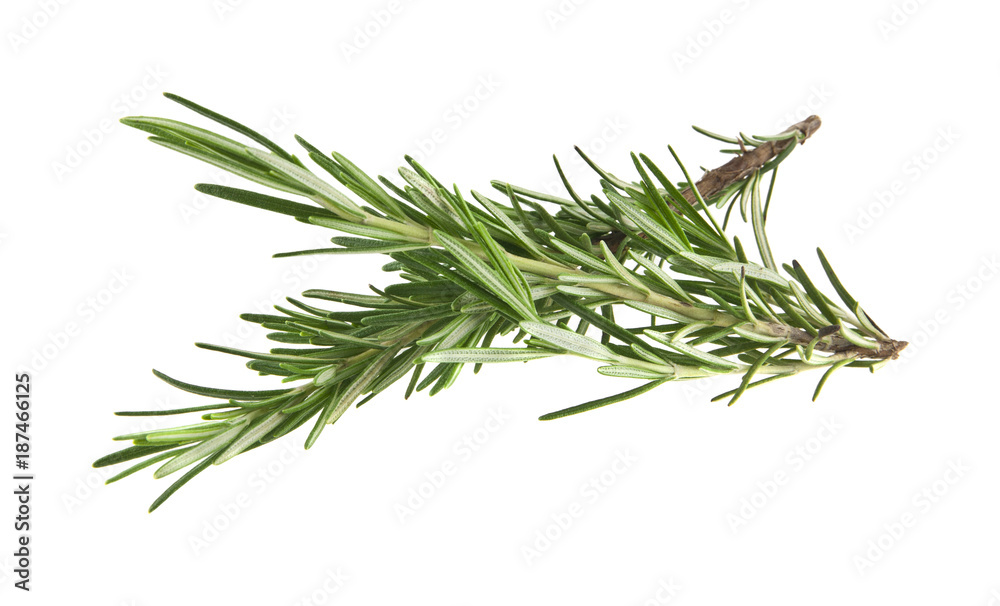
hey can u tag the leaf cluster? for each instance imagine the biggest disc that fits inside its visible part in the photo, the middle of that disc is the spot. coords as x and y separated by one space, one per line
543 275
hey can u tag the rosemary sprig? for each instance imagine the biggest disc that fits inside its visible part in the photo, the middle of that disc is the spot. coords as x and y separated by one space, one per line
554 272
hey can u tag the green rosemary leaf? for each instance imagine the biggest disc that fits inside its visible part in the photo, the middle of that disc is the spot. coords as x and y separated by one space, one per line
400 365
775 377
174 411
262 201
867 322
856 339
579 291
387 203
619 269
794 318
258 356
183 433
130 453
144 464
410 316
570 341
209 446
253 432
749 333
659 205
313 398
826 375
649 227
660 312
752 271
200 467
774 162
428 261
247 171
325 194
293 421
447 377
501 186
369 301
690 328
498 258
632 372
339 404
814 295
746 194
715 136
221 393
770 191
491 355
321 421
355 180
753 370
355 246
701 356
835 281
757 219
522 238
707 231
652 269
439 215
181 131
494 282
598 321
232 124
621 397
572 193
360 229
589 279
582 258
712 337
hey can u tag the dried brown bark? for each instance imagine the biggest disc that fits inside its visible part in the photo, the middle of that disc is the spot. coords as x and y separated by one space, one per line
718 179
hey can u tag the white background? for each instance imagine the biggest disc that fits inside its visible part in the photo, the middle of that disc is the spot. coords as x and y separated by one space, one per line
887 77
